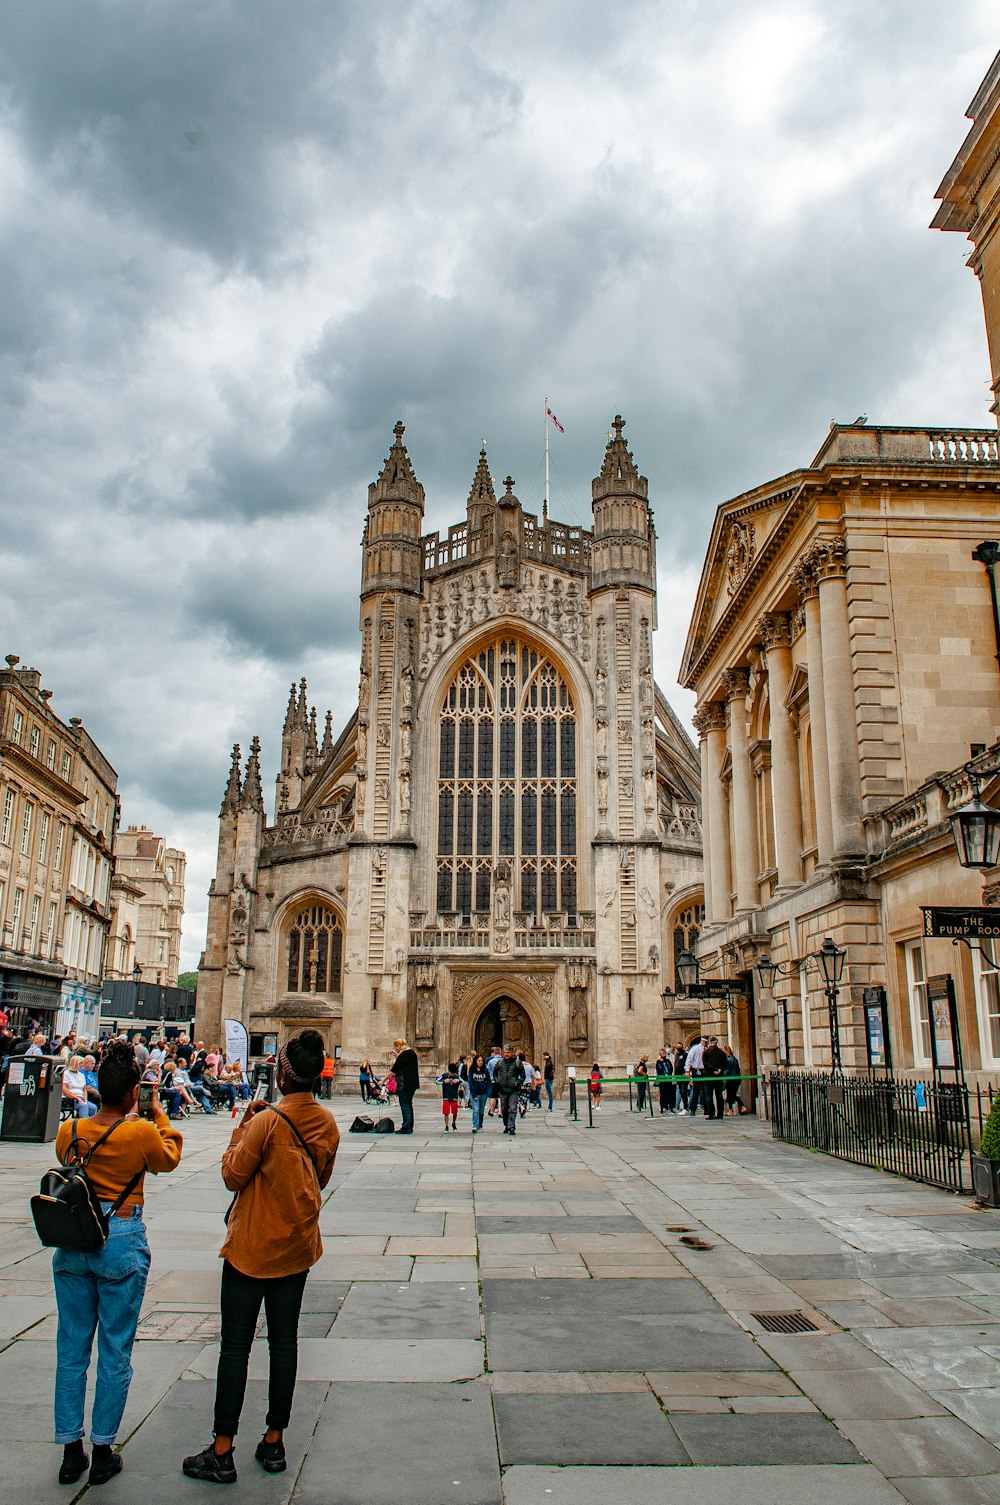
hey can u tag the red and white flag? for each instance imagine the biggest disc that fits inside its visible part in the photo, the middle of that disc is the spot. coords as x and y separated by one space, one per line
549 414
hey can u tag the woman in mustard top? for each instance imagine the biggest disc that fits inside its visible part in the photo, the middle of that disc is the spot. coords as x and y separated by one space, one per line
277 1163
104 1290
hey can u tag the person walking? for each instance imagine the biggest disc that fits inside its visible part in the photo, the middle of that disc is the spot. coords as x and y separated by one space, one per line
278 1162
493 1061
103 1291
680 1068
463 1074
365 1079
406 1070
480 1086
713 1065
548 1078
508 1080
596 1085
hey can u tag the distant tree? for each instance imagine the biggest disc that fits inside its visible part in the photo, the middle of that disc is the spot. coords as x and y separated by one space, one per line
188 980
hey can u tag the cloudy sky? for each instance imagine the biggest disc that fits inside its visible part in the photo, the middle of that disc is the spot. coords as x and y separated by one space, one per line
239 238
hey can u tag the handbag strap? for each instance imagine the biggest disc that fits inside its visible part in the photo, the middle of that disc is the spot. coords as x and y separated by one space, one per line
74 1150
298 1136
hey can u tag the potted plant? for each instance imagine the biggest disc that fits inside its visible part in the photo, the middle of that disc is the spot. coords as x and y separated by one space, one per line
986 1165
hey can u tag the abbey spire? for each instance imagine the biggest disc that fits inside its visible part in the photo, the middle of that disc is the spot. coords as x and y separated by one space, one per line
624 547
392 554
253 794
482 498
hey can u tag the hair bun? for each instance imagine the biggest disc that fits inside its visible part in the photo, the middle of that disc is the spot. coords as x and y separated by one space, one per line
307 1054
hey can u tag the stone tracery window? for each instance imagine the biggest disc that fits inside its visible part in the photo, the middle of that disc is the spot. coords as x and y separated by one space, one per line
507 782
315 950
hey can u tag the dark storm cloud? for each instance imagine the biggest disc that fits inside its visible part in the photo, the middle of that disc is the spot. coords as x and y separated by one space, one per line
240 239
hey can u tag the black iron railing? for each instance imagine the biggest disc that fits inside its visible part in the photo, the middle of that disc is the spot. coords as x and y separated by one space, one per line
920 1130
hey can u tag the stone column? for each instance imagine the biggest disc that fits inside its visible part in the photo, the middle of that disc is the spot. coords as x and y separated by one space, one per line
805 583
710 723
737 683
829 561
776 635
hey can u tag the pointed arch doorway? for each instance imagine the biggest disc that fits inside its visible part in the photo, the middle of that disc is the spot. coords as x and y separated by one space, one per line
505 1022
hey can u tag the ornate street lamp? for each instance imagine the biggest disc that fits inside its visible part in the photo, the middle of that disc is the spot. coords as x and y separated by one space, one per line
976 827
767 971
830 959
688 970
137 973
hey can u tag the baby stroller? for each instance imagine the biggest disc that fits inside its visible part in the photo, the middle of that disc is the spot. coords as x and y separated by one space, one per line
381 1092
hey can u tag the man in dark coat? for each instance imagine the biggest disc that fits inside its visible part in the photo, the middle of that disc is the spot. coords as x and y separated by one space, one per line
713 1064
508 1078
406 1070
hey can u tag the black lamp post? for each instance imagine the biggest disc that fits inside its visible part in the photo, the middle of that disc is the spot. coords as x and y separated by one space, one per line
831 958
137 974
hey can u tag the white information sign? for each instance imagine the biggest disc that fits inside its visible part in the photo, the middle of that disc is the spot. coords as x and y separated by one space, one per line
237 1044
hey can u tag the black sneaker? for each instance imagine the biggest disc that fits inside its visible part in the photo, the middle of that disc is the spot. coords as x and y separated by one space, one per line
75 1463
271 1456
213 1467
106 1464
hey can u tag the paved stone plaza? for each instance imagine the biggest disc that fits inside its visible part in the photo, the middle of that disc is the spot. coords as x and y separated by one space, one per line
524 1323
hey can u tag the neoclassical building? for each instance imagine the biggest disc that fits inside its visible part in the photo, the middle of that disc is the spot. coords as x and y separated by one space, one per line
503 843
843 650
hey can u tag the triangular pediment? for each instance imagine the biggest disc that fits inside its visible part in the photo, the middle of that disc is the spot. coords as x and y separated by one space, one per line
333 776
743 534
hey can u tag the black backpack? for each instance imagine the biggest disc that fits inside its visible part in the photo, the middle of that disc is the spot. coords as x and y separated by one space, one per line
66 1209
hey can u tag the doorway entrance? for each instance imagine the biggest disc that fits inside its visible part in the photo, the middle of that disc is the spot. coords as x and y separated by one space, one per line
505 1022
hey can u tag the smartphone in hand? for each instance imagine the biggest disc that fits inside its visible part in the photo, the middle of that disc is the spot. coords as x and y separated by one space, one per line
147 1091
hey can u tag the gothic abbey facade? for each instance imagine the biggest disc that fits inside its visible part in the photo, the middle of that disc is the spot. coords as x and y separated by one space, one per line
504 841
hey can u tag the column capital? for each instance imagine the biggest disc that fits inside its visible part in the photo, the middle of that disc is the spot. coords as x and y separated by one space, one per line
775 629
829 559
804 578
710 717
736 683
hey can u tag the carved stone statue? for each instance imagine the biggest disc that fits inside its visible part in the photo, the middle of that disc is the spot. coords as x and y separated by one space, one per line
578 1017
425 1015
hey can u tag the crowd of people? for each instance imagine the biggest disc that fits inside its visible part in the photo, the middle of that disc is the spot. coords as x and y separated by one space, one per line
187 1076
703 1077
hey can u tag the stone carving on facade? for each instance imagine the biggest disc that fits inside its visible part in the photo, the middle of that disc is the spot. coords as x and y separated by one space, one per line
455 606
424 974
709 717
460 987
602 789
798 622
648 902
383 789
991 893
739 554
828 558
775 629
654 958
625 731
601 735
507 560
404 793
359 898
607 903
579 1024
541 982
425 1017
382 734
736 683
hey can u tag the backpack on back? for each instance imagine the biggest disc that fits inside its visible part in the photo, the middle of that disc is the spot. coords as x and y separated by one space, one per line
66 1210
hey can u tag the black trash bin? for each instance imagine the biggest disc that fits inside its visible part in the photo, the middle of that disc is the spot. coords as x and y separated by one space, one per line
263 1071
32 1099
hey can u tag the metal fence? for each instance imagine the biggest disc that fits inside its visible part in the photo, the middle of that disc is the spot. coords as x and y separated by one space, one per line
920 1130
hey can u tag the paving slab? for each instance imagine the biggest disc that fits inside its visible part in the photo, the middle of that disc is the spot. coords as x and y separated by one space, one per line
406 1310
982 1491
867 1394
783 1440
699 1486
585 1429
380 1444
934 1446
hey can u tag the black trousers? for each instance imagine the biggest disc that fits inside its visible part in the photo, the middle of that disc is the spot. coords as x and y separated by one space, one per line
713 1091
241 1299
508 1110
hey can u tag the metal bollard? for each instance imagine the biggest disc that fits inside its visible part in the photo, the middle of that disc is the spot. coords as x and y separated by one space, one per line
572 1099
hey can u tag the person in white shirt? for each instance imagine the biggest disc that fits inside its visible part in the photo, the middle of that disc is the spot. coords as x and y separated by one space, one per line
695 1057
157 1055
74 1088
37 1046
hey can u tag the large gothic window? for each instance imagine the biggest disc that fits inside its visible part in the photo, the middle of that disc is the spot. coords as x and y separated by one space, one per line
507 783
315 950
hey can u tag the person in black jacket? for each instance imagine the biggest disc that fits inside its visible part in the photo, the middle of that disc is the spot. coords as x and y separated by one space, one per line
406 1069
713 1064
508 1078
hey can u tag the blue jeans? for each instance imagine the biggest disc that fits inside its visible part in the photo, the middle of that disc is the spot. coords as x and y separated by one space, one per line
479 1102
406 1109
548 1093
101 1292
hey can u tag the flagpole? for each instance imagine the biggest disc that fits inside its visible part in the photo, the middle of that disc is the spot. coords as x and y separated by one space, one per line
545 420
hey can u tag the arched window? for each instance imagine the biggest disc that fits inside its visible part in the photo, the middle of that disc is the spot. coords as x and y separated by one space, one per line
687 928
315 951
507 782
